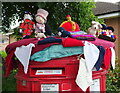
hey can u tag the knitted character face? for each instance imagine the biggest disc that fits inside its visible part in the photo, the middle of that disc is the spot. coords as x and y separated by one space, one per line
96 25
27 16
39 19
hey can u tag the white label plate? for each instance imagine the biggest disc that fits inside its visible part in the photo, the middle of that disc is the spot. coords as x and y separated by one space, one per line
48 72
50 87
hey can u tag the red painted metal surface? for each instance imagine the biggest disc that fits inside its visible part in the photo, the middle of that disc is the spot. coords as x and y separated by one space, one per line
63 81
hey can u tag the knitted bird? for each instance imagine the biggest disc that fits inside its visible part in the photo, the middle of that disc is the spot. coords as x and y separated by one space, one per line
63 33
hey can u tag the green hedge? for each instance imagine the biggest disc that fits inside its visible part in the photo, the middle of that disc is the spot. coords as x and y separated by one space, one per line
113 79
3 54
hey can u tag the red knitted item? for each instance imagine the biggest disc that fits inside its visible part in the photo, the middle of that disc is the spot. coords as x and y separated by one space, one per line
107 59
70 42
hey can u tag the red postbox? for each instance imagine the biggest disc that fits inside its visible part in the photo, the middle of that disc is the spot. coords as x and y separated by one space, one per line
57 75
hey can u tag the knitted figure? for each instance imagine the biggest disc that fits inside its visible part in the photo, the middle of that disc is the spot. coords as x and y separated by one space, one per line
41 18
70 25
95 27
106 33
27 27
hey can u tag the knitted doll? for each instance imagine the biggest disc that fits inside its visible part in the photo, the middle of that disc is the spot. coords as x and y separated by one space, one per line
106 33
27 27
41 18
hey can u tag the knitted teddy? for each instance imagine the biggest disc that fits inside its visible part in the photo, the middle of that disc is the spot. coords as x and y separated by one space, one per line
27 27
95 27
41 18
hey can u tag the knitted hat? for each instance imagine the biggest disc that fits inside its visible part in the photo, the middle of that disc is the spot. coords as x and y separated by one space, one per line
110 28
27 12
70 25
43 13
104 27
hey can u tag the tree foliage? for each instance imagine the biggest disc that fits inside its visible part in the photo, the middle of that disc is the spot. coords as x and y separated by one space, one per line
15 10
81 12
